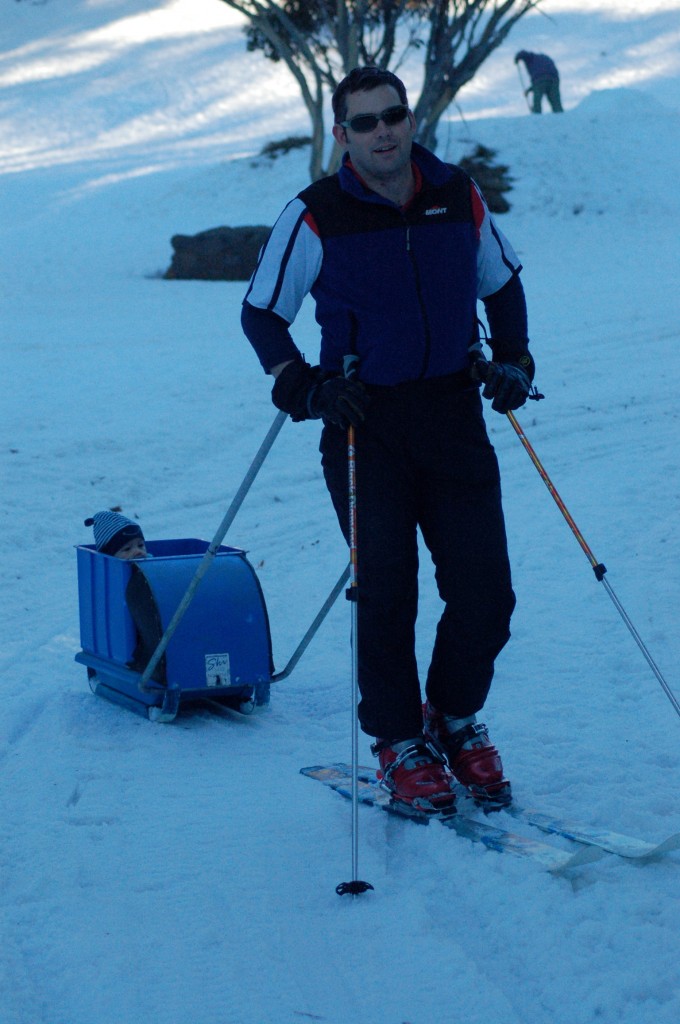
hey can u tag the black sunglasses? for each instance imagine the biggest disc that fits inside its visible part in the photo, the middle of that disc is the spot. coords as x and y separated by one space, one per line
368 122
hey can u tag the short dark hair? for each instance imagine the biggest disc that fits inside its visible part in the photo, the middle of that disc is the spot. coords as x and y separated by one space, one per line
362 80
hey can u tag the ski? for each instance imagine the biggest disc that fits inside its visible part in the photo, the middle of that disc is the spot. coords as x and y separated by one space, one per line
621 845
616 843
493 837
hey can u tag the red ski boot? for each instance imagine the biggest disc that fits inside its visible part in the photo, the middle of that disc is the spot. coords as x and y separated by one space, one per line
465 745
418 780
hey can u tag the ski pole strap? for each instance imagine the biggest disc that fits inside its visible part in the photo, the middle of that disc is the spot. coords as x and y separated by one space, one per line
350 366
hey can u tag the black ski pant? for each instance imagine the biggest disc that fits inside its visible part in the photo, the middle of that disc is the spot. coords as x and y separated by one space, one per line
549 87
424 460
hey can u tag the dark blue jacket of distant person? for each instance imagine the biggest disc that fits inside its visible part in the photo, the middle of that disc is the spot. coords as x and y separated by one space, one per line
545 80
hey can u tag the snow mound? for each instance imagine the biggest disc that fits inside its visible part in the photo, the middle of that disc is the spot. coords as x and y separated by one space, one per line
621 103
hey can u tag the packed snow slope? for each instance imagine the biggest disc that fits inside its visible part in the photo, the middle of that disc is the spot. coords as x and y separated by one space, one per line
185 874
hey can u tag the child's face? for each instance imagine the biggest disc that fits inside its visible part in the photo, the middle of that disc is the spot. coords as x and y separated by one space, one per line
135 548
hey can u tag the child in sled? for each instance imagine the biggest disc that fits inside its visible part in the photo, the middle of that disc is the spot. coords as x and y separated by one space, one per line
116 535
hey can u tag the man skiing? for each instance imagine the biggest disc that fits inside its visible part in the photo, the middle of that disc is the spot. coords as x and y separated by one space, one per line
395 249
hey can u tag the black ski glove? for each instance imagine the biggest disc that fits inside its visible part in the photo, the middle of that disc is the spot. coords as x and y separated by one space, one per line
508 384
339 401
310 393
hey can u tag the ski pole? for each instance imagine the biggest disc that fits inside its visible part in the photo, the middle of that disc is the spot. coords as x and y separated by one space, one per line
598 568
355 887
525 90
207 559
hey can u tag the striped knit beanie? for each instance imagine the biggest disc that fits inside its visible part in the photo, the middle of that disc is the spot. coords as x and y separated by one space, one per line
112 531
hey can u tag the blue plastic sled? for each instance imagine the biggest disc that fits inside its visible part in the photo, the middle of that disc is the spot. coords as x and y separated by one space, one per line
221 650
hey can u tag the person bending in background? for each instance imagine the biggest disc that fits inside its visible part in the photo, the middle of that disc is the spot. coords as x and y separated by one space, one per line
545 80
396 248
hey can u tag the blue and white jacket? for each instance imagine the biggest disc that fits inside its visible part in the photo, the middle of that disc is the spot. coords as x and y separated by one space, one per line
396 286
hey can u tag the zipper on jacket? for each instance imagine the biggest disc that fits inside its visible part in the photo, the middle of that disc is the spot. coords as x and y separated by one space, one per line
423 310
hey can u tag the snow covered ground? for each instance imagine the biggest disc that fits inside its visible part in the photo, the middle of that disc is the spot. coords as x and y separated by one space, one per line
185 874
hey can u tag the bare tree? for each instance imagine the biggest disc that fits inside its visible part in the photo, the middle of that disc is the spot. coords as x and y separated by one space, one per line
462 34
320 41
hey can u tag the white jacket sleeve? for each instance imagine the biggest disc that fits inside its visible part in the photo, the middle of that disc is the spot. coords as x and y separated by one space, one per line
497 261
289 264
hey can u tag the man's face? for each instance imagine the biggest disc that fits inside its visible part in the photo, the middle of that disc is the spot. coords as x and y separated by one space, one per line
382 154
135 548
